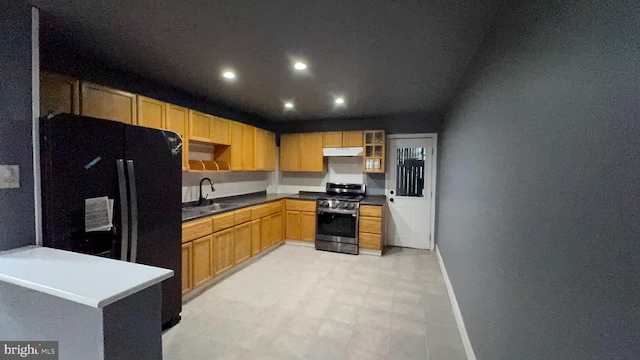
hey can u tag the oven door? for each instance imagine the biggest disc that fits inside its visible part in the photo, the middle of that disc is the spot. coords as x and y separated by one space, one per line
337 226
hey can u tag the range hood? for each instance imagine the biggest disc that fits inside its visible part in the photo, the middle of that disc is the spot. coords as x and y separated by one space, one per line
343 151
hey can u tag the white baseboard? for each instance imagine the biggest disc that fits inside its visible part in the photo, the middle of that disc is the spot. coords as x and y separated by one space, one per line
456 310
370 252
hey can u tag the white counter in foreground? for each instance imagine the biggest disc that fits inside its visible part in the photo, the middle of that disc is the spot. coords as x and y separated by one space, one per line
95 308
85 279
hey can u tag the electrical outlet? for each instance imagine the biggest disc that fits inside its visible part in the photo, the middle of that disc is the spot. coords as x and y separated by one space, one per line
9 176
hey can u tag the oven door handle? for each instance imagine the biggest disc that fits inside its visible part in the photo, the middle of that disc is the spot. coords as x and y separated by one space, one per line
338 211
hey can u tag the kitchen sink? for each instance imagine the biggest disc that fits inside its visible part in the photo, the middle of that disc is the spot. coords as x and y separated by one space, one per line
208 209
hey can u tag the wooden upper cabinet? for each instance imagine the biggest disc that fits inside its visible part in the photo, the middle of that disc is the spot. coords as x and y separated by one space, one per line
177 120
290 150
59 94
311 155
248 147
151 113
332 139
235 133
271 151
352 138
261 153
220 131
199 126
106 103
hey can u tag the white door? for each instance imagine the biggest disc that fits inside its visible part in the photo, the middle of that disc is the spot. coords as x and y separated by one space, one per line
410 186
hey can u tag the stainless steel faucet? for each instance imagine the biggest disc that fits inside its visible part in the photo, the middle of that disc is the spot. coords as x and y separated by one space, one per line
202 200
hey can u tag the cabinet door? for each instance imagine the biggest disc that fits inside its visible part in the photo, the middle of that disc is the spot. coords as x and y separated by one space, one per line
308 226
223 250
58 94
199 126
271 151
241 242
255 237
332 139
106 103
235 132
352 138
261 149
292 227
177 120
276 228
248 147
290 149
220 131
265 232
312 160
187 271
202 255
151 113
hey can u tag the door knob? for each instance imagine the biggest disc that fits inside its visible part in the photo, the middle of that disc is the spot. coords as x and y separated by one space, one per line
391 192
391 199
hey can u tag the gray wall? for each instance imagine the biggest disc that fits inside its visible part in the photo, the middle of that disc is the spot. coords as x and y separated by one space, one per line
17 214
539 182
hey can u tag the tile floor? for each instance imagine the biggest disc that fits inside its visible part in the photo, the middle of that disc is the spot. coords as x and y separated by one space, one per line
299 303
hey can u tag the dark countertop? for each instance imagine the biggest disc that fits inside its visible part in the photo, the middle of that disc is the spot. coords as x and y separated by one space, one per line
190 212
375 200
234 202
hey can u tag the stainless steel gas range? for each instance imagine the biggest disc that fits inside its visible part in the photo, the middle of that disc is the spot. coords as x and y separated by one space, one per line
337 218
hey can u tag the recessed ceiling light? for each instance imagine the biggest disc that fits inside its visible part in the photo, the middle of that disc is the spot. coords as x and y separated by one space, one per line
229 75
300 66
339 101
288 105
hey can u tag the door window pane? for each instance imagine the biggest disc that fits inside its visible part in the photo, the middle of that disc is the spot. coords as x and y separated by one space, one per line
410 172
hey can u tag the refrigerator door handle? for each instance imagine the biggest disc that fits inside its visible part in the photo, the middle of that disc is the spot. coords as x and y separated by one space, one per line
133 196
124 211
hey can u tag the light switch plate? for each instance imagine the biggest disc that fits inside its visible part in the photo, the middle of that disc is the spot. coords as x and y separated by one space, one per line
9 176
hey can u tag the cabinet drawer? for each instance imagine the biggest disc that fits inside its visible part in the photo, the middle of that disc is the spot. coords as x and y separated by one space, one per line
223 221
196 229
241 216
260 211
370 225
370 241
371 211
275 207
301 205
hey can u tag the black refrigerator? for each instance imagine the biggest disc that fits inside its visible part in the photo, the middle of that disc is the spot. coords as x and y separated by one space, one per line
139 169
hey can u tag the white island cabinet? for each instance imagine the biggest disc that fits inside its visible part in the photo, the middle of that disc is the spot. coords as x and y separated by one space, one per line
95 308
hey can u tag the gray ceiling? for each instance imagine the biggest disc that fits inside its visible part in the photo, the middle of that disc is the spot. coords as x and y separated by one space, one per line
385 57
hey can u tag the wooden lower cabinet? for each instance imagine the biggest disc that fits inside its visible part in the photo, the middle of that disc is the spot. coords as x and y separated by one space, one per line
255 237
300 225
308 226
223 250
202 255
265 232
292 227
241 242
276 228
370 227
187 271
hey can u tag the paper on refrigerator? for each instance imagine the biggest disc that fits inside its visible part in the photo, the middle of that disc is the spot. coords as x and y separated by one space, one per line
98 214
